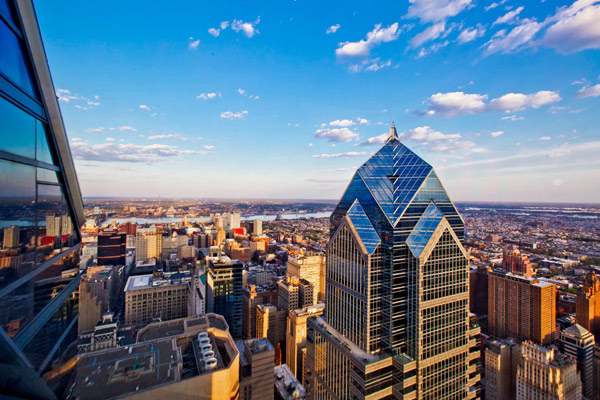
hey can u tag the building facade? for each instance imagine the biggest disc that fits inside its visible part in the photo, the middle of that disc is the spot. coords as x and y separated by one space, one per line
546 374
588 305
295 337
312 268
148 243
224 292
41 209
501 361
397 310
579 343
257 360
521 308
112 248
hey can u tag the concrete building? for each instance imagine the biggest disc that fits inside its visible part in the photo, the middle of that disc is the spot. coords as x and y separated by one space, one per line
224 291
97 293
546 374
257 229
106 334
312 268
579 343
288 294
515 262
270 324
521 308
588 305
148 243
287 386
252 296
11 237
197 301
257 360
163 295
193 357
295 338
501 361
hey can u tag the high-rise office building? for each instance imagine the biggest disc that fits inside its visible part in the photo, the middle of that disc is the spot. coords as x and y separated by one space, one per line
98 290
224 291
478 290
588 305
295 338
112 248
501 361
38 183
521 308
396 322
251 297
288 294
270 324
579 343
515 262
257 227
148 243
257 360
312 268
11 237
546 374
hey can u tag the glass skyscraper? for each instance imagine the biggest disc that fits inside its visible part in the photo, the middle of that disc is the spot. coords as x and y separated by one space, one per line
40 212
396 324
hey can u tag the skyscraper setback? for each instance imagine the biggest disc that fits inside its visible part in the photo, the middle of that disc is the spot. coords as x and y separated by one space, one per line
397 316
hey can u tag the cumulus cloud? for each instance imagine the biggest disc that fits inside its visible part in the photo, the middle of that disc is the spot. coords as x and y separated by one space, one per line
214 32
347 122
144 107
339 155
588 91
95 130
110 139
208 96
224 24
127 128
336 134
208 147
110 152
332 29
363 47
518 38
233 115
497 133
379 139
436 10
509 16
426 134
172 136
193 45
247 28
453 104
430 33
81 102
470 34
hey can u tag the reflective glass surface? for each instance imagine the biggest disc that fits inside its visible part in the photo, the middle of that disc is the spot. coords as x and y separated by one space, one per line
42 149
7 11
363 227
17 131
422 232
14 63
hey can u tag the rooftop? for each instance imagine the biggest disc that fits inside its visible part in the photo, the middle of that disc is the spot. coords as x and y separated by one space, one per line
164 279
287 385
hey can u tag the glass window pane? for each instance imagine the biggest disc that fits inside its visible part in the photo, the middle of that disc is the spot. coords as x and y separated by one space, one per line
43 150
17 130
54 220
17 221
46 175
14 62
7 11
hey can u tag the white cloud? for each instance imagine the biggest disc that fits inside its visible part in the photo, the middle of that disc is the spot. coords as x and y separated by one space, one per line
379 139
338 155
127 128
224 24
247 28
459 103
144 107
362 121
494 5
375 66
84 103
332 29
208 147
241 91
543 138
470 34
214 32
173 136
577 27
110 152
512 118
342 122
431 33
363 47
310 145
293 124
515 40
591 91
95 130
65 95
426 134
233 115
110 139
436 10
193 45
496 134
336 134
76 139
509 16
208 96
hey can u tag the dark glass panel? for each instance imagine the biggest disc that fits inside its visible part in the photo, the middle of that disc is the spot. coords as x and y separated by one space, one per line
17 129
46 175
7 11
17 220
14 62
42 148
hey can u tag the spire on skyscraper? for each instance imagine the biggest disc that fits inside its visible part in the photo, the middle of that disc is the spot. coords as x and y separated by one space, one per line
393 135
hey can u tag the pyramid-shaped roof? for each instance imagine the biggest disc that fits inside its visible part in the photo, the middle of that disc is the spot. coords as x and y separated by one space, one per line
363 226
424 229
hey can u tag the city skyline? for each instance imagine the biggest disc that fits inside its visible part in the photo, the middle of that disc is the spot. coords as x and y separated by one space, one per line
503 92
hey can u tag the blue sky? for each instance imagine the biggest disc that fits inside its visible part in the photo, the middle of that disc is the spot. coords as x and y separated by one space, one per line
285 99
